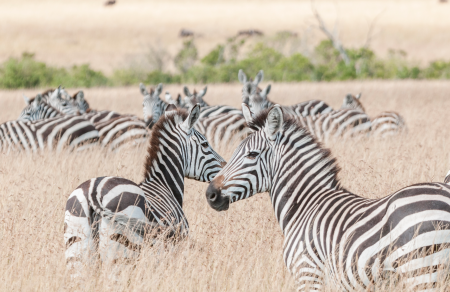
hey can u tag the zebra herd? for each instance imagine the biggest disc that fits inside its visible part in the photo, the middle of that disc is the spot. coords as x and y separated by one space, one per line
331 236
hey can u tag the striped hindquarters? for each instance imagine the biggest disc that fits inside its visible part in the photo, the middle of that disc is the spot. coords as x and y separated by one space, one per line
123 130
52 134
388 124
338 124
310 108
224 129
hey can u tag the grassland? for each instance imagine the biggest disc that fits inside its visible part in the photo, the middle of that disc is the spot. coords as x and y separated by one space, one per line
238 250
67 33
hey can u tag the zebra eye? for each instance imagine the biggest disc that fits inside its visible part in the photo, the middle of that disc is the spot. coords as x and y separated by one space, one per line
205 144
252 155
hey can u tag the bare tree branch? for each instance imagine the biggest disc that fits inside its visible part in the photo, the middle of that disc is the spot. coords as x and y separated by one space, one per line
332 36
371 27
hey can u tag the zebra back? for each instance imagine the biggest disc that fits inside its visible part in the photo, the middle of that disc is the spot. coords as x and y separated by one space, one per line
223 130
55 134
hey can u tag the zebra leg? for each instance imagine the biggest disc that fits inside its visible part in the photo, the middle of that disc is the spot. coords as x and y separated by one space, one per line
78 233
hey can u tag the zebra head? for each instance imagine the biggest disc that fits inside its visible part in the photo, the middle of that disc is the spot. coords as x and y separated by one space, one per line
278 150
188 148
37 109
258 100
80 102
63 105
353 102
249 87
152 105
249 170
192 99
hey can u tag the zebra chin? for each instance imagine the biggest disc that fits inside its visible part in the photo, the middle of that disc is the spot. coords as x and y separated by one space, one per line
214 196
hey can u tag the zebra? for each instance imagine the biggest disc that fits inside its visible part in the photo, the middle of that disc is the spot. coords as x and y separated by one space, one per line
257 99
48 134
207 110
38 109
115 130
330 234
53 97
120 212
153 106
386 124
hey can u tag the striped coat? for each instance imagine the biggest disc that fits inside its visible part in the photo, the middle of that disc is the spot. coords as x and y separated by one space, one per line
49 134
120 213
332 236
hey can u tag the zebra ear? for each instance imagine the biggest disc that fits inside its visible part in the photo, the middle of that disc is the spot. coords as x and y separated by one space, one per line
202 93
266 91
144 91
179 99
274 122
37 100
171 107
358 96
56 93
159 89
187 92
248 115
349 98
27 100
80 96
259 77
194 114
242 77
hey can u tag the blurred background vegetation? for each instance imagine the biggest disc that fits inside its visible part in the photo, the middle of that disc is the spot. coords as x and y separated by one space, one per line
281 59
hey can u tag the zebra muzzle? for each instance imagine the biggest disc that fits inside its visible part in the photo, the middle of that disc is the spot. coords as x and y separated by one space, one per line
214 195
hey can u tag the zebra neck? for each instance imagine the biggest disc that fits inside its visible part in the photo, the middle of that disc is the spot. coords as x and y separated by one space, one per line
302 172
165 176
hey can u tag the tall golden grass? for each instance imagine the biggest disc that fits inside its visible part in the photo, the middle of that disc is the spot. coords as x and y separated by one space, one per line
237 250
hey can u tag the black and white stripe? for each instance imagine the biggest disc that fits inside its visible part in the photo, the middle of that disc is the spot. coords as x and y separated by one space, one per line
332 235
121 212
74 132
223 130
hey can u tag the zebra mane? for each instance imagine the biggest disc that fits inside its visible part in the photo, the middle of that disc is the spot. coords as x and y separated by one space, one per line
291 124
157 136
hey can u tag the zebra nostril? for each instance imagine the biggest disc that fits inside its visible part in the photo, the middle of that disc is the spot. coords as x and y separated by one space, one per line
212 196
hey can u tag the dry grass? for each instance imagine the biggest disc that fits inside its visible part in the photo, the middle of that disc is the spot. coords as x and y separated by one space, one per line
238 250
83 31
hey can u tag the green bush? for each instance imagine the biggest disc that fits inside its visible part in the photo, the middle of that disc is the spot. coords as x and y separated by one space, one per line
221 64
26 72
